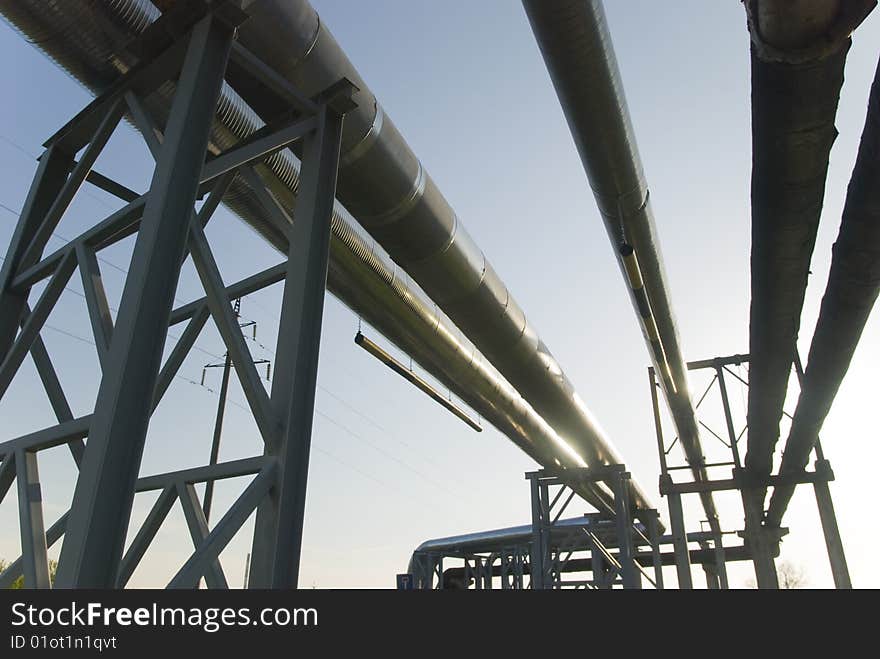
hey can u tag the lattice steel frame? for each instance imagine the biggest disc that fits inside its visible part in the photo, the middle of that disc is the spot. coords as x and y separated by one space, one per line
761 542
557 547
191 47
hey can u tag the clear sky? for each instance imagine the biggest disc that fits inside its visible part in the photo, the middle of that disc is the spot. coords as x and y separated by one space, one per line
465 84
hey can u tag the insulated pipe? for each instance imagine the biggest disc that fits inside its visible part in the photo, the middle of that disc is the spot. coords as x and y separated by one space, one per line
381 183
852 289
798 52
576 45
90 43
389 192
705 557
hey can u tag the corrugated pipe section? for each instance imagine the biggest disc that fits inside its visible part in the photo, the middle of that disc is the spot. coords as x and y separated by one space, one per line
88 41
849 297
576 45
798 52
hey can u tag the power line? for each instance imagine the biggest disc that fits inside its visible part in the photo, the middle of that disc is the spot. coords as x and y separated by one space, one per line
318 449
403 464
189 380
32 156
58 236
65 240
386 433
338 398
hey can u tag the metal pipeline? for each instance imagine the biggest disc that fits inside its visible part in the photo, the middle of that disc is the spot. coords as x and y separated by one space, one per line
453 577
89 42
798 52
576 45
852 289
564 533
389 192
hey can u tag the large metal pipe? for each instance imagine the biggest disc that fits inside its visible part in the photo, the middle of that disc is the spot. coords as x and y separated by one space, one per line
389 192
576 45
852 289
89 42
705 557
562 533
798 52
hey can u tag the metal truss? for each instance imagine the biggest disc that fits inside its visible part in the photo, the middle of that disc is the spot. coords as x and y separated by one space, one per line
593 551
551 554
134 380
761 542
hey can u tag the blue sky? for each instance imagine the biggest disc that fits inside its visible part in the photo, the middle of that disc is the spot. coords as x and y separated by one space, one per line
465 84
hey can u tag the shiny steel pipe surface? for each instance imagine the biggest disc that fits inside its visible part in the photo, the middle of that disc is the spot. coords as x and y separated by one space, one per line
576 45
798 52
89 41
387 189
850 294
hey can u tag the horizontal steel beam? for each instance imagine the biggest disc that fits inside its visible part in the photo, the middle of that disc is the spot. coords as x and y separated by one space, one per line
257 148
744 483
49 437
110 186
114 228
732 360
246 286
231 469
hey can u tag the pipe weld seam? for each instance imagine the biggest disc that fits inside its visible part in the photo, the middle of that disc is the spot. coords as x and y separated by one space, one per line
367 141
404 205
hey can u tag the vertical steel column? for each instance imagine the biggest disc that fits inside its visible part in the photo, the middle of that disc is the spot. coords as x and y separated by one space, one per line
598 564
757 538
653 517
35 563
218 422
765 566
537 558
421 572
437 566
725 401
518 569
836 556
278 529
679 541
546 525
625 552
709 570
555 573
49 179
720 562
676 512
101 509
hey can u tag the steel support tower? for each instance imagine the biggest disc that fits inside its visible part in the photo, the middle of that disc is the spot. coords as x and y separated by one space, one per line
761 542
594 551
194 48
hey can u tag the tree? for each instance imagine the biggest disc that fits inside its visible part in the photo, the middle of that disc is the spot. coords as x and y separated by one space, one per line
789 575
18 584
